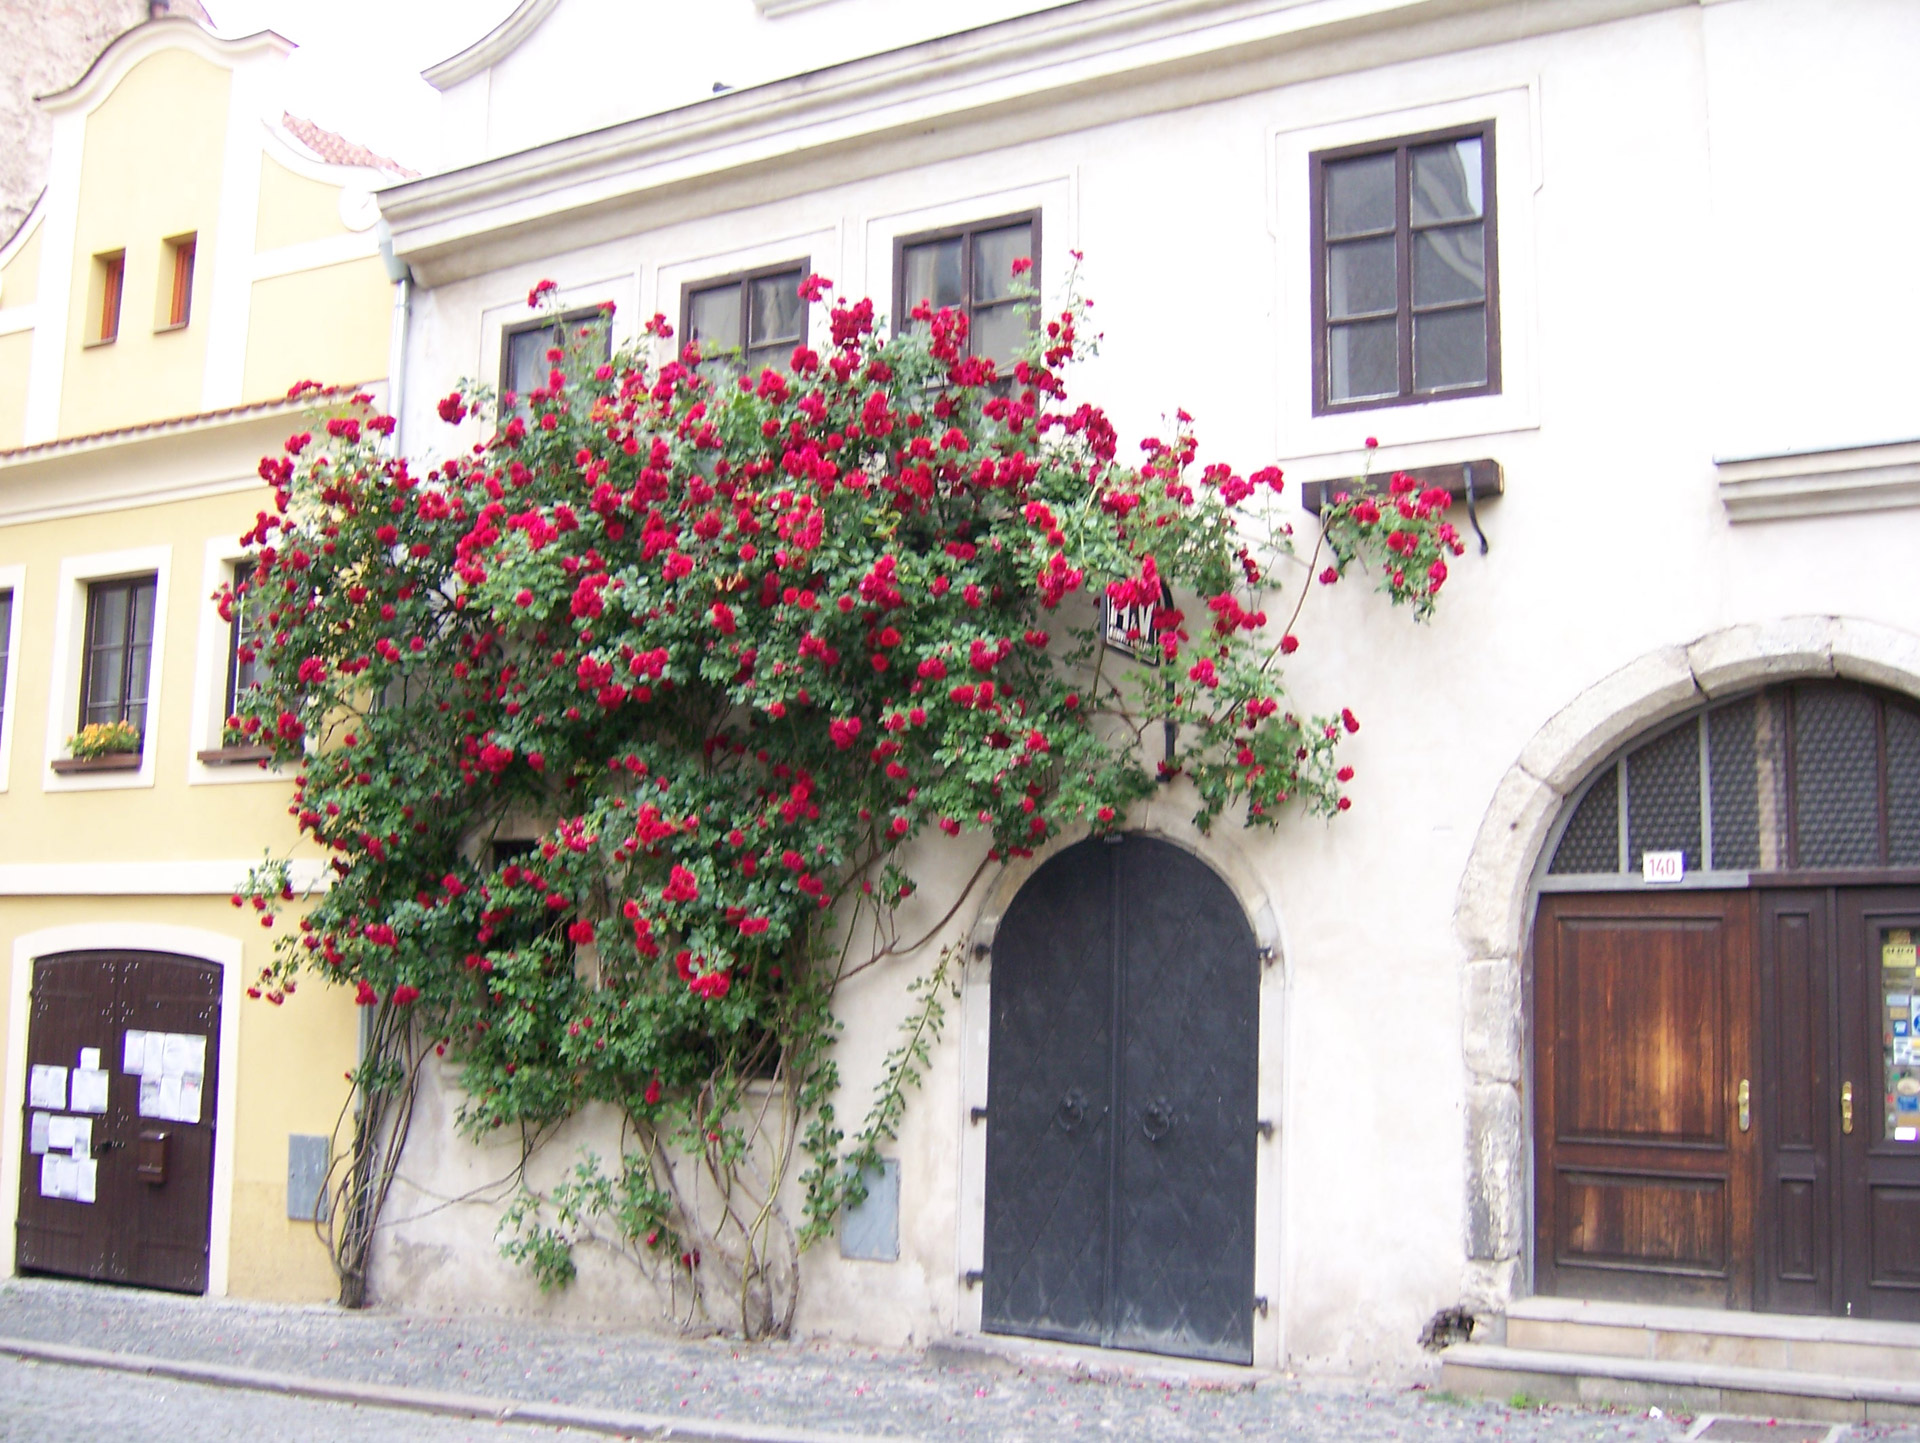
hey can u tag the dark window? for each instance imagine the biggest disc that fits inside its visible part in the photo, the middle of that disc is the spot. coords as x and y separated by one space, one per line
6 640
119 652
1405 293
110 274
181 251
970 269
1811 777
243 666
756 316
525 364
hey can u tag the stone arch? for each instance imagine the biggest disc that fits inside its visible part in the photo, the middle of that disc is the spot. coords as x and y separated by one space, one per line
1494 904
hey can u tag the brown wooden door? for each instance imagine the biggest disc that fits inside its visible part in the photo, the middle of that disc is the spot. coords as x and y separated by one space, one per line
1879 1130
1793 1101
1643 1179
150 1219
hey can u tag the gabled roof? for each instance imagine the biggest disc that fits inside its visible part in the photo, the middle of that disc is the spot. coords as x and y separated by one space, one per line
336 149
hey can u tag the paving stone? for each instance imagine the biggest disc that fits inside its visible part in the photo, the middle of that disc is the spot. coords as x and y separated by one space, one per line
819 1386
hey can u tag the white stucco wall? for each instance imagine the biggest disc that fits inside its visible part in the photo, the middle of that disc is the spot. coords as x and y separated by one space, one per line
1691 267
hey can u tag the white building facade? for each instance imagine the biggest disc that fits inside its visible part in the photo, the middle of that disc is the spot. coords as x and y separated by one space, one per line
1636 261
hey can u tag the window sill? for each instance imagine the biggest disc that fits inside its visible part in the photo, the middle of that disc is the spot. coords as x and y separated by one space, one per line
1489 480
98 341
174 326
233 756
112 762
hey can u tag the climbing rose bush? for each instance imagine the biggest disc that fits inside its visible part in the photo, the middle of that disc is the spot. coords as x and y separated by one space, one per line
611 722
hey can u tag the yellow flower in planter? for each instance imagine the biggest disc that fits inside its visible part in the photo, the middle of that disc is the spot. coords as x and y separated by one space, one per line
103 739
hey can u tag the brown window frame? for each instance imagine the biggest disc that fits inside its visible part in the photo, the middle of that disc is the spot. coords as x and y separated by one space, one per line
1399 146
744 280
150 583
112 267
967 232
6 651
182 251
573 317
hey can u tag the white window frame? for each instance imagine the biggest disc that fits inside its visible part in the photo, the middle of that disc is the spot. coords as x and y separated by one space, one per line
207 724
671 278
77 573
1303 436
13 579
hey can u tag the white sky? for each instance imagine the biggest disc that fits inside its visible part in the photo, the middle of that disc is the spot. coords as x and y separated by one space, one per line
357 70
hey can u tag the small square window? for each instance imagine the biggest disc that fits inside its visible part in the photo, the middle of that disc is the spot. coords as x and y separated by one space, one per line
6 641
970 269
105 285
117 660
753 319
176 282
1405 285
525 362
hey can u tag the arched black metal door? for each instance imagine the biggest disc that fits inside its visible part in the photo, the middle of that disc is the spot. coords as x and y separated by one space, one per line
1121 1106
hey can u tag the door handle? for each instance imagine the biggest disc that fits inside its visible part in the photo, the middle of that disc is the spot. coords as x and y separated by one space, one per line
1846 1107
1746 1104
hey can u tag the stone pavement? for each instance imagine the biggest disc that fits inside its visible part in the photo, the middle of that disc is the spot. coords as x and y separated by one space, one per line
722 1390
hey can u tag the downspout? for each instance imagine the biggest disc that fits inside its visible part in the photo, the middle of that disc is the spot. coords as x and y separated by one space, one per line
402 276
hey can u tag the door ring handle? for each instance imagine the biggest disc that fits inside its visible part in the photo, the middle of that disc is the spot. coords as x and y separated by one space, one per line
1156 1121
1073 1108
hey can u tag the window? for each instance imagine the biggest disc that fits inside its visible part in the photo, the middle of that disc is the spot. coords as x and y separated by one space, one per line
243 667
970 269
757 316
118 656
107 283
177 278
6 636
524 362
1405 300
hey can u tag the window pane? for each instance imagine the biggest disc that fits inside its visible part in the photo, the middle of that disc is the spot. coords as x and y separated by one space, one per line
1591 842
1444 182
1362 278
713 319
1836 786
933 274
527 364
1449 265
776 309
1359 195
109 608
6 637
999 333
993 256
1450 349
1663 797
1362 360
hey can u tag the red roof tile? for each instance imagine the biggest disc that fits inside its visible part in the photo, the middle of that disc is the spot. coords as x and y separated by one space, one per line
337 149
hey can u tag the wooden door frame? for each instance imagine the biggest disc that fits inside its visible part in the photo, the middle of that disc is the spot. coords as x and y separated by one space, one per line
227 953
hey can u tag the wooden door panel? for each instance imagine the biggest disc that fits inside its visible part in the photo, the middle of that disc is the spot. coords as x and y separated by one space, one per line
1879 1167
72 1006
1795 1234
1644 1186
1642 1028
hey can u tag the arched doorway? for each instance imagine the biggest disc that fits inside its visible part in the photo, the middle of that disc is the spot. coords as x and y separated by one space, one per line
1726 1080
1121 1098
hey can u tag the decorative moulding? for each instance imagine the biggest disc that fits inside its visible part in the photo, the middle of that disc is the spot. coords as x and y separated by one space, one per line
774 9
491 48
1820 483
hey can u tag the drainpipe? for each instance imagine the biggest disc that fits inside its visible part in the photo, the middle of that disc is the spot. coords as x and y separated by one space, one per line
402 276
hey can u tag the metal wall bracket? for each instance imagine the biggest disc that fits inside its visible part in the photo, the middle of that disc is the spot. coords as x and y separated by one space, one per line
973 1277
977 1114
1265 1127
1260 1305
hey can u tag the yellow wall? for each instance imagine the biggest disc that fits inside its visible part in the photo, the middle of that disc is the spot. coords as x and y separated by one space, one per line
152 169
294 209
20 277
329 325
290 1079
16 356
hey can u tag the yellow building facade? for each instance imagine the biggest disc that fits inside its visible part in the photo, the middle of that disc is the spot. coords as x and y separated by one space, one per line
195 254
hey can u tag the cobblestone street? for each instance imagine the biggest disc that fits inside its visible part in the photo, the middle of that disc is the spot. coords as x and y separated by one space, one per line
826 1388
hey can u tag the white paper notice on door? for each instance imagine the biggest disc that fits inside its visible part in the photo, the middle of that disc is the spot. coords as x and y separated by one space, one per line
89 1089
80 1136
59 1134
58 1177
37 1133
47 1087
189 1110
133 1053
85 1177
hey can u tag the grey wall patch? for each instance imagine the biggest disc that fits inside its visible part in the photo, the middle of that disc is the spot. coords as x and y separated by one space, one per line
306 1174
872 1230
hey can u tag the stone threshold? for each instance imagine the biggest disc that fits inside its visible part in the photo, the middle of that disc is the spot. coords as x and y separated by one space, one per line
993 1353
1659 1318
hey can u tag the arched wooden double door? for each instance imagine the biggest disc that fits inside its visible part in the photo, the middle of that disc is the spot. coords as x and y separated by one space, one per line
1121 1127
1727 1073
116 1177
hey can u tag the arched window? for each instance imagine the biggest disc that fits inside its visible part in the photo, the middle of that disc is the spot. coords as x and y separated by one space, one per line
1812 777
